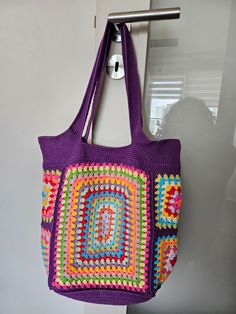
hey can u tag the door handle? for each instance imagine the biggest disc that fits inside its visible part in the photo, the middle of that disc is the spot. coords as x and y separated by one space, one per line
146 15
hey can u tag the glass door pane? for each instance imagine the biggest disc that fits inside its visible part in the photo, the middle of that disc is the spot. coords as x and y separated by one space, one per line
190 94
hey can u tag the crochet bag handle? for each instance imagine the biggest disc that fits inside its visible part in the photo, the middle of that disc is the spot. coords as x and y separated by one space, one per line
131 82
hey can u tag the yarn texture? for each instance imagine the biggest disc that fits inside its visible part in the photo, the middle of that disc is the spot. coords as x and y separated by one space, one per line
110 214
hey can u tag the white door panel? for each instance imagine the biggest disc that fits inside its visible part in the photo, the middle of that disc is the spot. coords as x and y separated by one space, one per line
111 127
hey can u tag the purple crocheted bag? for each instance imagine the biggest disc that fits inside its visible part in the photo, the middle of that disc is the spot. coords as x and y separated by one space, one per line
109 214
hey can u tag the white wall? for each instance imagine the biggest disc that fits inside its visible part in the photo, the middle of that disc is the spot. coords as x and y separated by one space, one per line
47 51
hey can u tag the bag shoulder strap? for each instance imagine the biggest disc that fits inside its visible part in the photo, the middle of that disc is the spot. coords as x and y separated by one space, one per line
131 82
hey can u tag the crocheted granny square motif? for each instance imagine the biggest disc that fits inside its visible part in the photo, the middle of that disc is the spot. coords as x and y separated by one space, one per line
165 258
167 201
51 180
102 229
45 244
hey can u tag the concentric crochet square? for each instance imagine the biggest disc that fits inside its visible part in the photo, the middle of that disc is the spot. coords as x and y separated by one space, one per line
45 246
165 258
51 180
167 201
102 228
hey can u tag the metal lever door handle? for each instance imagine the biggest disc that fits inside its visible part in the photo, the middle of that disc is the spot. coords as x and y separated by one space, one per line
146 15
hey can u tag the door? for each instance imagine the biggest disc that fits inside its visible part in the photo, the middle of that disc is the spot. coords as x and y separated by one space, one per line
111 126
187 69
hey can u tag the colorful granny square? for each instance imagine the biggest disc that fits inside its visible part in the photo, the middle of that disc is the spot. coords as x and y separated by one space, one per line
102 228
51 180
167 201
45 246
165 258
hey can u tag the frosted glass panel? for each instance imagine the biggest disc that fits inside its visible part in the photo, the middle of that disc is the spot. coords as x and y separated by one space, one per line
186 57
190 94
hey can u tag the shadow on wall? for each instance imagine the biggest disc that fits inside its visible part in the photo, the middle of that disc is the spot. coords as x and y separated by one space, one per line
206 169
